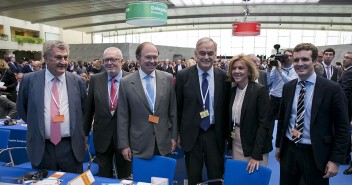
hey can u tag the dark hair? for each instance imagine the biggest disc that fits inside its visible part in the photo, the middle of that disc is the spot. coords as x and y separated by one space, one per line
329 50
307 47
140 47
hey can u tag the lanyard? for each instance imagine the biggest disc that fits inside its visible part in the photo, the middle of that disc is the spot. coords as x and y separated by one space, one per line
60 97
116 93
204 98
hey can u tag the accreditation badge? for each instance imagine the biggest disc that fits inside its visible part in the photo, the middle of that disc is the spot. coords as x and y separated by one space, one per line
153 119
295 133
58 118
204 114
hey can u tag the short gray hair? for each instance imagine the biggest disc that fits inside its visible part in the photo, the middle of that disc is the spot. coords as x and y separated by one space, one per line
50 44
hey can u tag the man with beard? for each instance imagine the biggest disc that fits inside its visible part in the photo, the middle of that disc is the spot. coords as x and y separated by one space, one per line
202 112
147 122
102 104
52 103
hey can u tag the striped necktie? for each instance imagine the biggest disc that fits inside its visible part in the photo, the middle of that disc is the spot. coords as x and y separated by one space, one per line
300 113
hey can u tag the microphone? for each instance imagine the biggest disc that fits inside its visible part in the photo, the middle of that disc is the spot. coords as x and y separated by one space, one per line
38 175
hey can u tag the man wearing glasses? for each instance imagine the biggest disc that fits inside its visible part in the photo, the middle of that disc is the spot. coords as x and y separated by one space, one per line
147 123
52 103
102 103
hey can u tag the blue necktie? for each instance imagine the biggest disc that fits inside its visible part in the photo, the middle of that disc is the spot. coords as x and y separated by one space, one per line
205 122
150 91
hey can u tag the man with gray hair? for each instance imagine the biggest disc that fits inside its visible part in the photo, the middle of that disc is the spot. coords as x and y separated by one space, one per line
52 103
102 105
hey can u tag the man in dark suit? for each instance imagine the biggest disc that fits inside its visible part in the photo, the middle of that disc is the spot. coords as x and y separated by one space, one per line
179 66
147 109
52 103
346 84
201 115
101 104
313 129
28 67
330 71
12 65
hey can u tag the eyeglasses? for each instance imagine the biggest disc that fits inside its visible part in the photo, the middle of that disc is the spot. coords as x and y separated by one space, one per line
149 58
112 60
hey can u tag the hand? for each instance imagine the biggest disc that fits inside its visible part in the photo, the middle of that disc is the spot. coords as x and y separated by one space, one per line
279 67
173 145
126 153
331 169
178 141
277 154
252 165
3 88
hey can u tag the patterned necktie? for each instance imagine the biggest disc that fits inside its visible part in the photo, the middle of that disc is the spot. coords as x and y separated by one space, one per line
55 131
113 95
150 91
328 73
300 113
205 122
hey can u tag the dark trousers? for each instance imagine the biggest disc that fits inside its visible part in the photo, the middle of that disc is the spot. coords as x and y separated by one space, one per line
206 150
297 163
106 162
60 157
274 107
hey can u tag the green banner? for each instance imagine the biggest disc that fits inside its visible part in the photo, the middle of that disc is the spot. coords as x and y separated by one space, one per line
146 13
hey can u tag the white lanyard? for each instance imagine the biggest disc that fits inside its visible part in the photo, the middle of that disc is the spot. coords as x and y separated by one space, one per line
204 98
60 96
115 96
147 94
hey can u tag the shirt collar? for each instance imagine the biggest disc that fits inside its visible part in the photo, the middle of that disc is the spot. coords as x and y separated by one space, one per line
142 74
210 71
49 76
288 68
117 77
311 79
325 65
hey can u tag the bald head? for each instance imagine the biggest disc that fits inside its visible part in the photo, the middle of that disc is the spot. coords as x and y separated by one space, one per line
37 65
255 60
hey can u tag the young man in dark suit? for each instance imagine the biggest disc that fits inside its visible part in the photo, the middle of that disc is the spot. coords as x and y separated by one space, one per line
102 103
313 129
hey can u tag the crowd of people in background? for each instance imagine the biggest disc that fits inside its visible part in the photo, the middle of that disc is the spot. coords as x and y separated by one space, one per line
147 106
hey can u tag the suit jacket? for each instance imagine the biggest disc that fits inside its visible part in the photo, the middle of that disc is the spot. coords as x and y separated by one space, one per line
7 108
263 79
98 106
13 67
189 105
10 81
256 128
30 107
134 129
335 73
27 69
176 68
329 127
346 83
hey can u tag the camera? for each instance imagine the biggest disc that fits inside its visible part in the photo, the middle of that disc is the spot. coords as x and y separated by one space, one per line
10 122
275 59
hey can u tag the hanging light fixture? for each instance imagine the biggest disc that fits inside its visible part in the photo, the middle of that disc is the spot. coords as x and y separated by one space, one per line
245 28
146 13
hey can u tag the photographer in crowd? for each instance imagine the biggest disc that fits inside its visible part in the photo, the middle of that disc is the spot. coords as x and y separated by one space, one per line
279 71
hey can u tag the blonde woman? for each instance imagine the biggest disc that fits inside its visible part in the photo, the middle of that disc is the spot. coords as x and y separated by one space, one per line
250 128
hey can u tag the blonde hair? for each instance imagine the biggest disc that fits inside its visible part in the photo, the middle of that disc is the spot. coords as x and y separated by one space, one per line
3 65
190 62
252 69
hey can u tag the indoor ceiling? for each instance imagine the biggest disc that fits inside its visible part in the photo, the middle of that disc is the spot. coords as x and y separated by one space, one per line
109 15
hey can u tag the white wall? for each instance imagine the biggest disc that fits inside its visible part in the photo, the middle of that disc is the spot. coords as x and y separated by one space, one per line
76 37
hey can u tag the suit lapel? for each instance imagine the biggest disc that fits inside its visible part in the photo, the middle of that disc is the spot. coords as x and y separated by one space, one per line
247 98
71 84
195 80
160 87
137 87
104 92
317 99
39 83
290 97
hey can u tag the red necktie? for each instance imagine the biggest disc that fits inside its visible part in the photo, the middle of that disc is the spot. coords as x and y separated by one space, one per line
55 132
113 95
